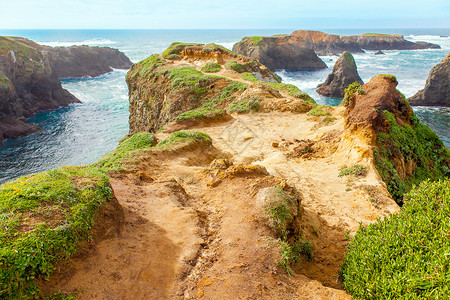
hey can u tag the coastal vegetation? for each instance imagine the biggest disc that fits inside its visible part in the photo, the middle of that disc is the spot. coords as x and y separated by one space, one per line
211 68
406 254
184 136
43 220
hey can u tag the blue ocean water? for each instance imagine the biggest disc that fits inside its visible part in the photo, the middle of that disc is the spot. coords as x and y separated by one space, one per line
82 133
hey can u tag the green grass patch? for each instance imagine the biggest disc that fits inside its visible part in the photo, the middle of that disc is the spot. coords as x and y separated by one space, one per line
293 91
4 81
147 66
211 68
318 111
249 76
201 113
184 136
176 48
328 120
417 142
43 219
113 161
349 91
255 40
404 256
349 58
290 253
356 170
244 106
235 66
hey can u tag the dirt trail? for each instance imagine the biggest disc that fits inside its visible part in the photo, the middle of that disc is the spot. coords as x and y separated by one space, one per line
188 236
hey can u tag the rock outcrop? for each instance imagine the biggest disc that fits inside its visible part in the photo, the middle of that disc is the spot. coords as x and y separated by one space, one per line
374 41
27 85
405 150
277 50
282 52
30 74
437 87
172 86
326 44
379 52
344 73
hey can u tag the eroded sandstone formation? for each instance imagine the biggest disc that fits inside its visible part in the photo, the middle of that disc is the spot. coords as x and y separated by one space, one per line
344 73
30 74
437 87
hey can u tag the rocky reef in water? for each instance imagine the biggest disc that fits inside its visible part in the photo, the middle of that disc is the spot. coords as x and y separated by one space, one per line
375 41
344 73
280 52
437 87
30 74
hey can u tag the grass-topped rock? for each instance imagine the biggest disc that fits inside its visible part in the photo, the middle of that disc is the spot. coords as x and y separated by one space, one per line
183 137
405 256
43 219
112 161
406 151
211 68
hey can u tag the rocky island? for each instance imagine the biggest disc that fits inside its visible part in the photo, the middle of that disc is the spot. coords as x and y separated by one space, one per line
30 74
278 50
223 161
437 87
344 73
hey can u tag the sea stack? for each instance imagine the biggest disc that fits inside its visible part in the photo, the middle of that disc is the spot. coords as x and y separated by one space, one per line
437 87
344 73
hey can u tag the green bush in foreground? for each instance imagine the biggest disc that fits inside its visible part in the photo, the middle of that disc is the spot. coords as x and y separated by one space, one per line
244 106
112 161
43 218
184 136
406 255
211 68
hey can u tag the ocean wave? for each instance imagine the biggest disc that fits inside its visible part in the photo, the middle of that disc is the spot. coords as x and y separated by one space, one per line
91 42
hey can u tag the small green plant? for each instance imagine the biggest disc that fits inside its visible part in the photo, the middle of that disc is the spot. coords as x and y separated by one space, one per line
356 170
318 111
349 91
290 253
405 255
211 68
113 161
328 120
235 66
201 113
249 76
244 106
184 136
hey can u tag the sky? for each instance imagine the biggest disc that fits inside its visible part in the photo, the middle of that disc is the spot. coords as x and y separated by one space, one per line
226 14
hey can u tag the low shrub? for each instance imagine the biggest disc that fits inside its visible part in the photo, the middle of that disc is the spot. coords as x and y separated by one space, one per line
407 254
211 68
43 219
184 136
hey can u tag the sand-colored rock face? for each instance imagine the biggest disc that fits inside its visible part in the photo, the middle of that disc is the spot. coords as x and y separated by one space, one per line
437 87
344 73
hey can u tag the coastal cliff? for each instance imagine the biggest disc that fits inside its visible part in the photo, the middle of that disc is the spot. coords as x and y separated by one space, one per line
322 44
30 74
220 165
437 87
280 52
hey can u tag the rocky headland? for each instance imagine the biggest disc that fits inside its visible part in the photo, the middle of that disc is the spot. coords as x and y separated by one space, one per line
220 165
280 52
437 87
281 48
30 78
344 73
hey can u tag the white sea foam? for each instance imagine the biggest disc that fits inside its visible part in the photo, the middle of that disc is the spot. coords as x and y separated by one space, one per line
92 42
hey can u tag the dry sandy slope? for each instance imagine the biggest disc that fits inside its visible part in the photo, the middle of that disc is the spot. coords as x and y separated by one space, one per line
183 238
188 235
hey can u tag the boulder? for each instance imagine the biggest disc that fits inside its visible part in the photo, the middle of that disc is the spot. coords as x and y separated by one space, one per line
379 52
344 73
280 53
437 87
